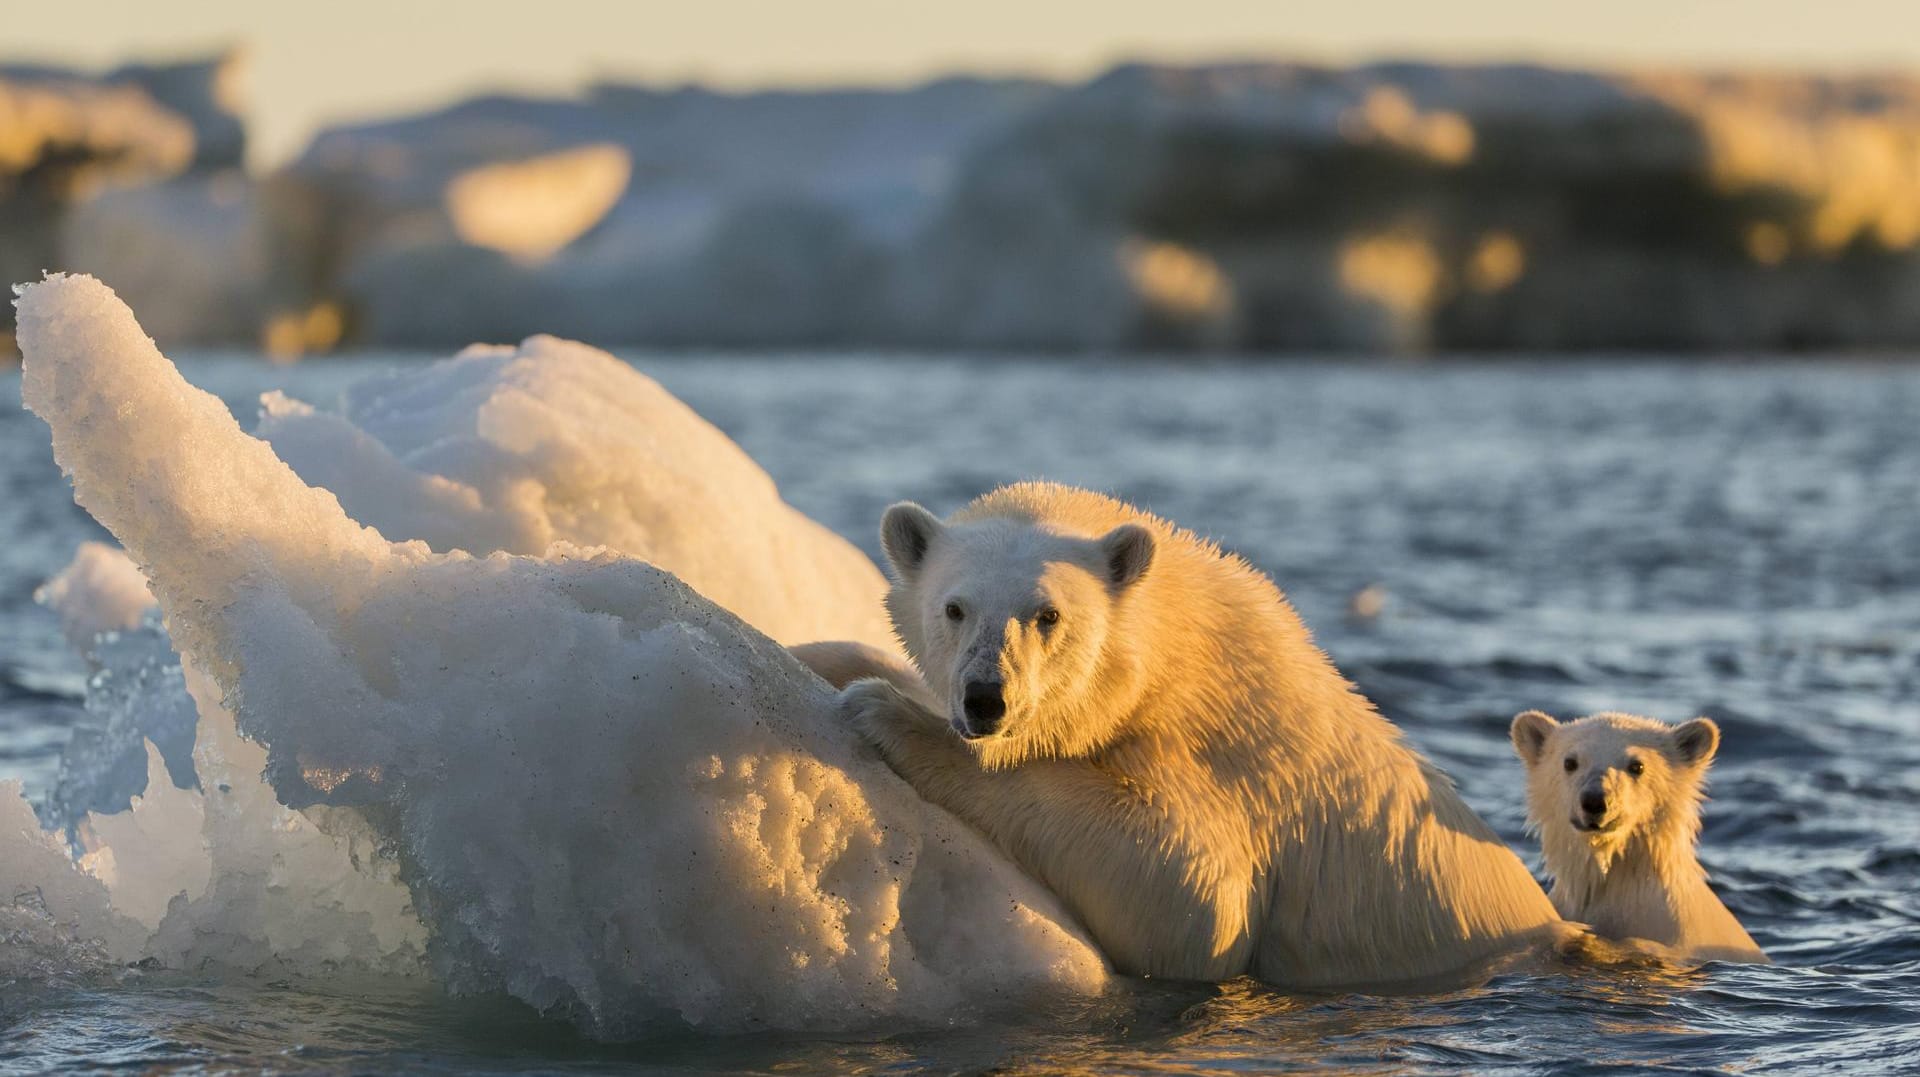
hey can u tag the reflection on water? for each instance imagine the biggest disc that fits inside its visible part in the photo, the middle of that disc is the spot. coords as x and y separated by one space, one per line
1742 542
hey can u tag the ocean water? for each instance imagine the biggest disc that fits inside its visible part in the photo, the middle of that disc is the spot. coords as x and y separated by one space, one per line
1738 540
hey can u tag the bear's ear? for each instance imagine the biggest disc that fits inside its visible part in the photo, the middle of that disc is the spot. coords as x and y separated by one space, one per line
1127 553
1696 741
907 532
1529 731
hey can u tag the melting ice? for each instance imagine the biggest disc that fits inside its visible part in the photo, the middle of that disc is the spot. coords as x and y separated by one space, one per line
546 741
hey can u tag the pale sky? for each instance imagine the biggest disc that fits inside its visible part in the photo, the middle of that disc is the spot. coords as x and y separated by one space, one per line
332 60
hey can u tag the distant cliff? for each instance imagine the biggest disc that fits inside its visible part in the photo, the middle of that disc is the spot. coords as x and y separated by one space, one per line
135 173
1248 207
1412 206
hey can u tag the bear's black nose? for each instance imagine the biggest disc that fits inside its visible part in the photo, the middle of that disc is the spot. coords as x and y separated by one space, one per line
1593 802
985 707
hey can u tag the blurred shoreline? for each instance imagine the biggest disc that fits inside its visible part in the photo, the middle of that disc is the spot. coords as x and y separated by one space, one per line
1217 211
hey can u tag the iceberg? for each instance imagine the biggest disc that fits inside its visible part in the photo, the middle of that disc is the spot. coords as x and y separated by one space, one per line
565 773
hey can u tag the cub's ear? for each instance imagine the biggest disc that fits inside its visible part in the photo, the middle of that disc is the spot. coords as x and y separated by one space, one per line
1127 553
1696 741
907 532
1529 731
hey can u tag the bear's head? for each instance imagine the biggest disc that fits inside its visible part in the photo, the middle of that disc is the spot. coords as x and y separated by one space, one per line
1595 784
1018 627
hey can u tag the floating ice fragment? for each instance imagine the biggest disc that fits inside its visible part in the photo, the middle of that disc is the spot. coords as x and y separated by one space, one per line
609 795
100 590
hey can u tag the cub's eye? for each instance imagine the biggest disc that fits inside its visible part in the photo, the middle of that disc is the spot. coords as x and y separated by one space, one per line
1571 764
954 612
1636 768
1048 617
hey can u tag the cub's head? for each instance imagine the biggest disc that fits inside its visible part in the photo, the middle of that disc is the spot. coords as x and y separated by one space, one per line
1595 784
1019 628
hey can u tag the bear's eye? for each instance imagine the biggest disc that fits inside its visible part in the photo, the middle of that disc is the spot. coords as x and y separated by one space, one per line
1048 617
1636 768
954 612
1571 764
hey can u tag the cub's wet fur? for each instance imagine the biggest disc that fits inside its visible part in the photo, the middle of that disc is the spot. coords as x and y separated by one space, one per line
1616 801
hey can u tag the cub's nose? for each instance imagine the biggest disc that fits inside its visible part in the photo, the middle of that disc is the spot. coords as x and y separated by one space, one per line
1593 802
985 706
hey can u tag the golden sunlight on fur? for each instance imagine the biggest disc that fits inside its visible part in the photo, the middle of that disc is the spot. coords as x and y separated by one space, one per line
1144 724
1616 801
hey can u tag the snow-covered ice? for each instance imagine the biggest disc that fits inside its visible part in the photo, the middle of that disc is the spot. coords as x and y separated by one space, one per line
604 792
515 449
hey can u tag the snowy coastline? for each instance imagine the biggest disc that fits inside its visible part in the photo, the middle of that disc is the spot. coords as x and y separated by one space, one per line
1239 207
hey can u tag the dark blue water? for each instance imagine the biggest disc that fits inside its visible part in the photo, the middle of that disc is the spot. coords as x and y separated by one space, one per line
1741 541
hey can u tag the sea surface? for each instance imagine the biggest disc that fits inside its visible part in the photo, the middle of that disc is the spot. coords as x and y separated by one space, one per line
1735 539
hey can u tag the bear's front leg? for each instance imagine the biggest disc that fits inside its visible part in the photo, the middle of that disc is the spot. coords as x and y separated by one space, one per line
1158 899
914 741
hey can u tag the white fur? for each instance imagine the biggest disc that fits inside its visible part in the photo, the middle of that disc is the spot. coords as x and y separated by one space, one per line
841 662
1178 761
1630 870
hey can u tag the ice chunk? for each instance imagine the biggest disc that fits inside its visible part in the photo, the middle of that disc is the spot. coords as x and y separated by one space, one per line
610 796
309 891
135 695
266 887
151 852
515 449
496 449
54 917
100 590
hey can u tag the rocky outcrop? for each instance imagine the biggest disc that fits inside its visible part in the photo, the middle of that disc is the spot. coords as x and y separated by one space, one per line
1401 207
634 214
210 93
134 176
1250 207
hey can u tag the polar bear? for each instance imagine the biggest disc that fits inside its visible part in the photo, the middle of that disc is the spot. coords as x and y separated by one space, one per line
1144 724
1616 801
841 662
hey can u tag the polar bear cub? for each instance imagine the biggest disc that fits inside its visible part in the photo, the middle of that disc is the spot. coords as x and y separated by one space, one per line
1616 801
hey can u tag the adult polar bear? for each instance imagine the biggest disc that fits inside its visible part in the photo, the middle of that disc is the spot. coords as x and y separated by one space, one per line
1147 727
